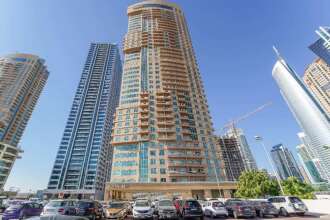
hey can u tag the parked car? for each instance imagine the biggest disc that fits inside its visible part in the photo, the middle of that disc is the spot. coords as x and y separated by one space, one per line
191 208
264 208
288 205
90 209
116 210
60 207
22 211
142 209
215 208
240 208
203 204
165 209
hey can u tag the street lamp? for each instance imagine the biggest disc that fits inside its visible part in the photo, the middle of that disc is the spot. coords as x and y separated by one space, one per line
260 139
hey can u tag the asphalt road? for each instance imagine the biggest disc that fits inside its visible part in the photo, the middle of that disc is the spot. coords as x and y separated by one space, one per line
306 217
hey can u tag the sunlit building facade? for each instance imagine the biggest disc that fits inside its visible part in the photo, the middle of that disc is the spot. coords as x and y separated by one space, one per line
163 130
309 114
317 79
22 78
83 159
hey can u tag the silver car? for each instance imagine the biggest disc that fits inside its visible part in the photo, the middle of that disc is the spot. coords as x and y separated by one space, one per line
59 207
166 209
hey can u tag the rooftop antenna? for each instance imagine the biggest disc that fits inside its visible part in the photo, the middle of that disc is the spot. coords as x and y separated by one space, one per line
278 55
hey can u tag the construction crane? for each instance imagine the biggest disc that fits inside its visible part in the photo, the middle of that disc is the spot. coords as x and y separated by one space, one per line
232 123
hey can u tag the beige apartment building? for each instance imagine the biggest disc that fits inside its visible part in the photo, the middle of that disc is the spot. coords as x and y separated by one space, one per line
162 131
317 78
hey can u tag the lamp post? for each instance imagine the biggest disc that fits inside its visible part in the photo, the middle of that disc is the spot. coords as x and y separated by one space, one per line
260 139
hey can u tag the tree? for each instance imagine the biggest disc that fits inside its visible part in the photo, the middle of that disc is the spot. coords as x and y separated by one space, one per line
256 184
293 187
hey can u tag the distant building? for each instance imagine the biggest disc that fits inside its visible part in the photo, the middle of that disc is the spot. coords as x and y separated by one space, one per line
308 164
322 46
22 78
244 148
309 114
304 174
231 156
84 156
317 79
284 162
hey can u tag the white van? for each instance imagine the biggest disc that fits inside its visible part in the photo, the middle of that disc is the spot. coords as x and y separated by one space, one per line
288 205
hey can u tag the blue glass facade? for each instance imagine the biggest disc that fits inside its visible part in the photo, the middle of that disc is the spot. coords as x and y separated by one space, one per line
83 161
285 163
320 50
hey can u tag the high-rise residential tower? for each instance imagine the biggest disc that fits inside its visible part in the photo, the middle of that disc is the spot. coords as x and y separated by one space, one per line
22 78
322 46
163 129
244 148
285 163
309 114
317 79
84 155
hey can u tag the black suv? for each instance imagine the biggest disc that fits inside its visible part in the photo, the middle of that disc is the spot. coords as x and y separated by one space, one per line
90 209
191 208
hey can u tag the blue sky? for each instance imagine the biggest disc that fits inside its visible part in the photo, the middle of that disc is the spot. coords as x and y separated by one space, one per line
233 42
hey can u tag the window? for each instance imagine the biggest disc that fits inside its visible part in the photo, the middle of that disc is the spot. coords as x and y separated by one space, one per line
152 161
161 152
163 180
162 170
162 161
153 153
153 170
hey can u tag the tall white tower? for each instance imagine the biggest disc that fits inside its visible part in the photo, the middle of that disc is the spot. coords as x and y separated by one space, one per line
310 116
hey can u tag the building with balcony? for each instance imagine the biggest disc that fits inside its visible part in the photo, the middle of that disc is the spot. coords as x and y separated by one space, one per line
163 131
22 78
317 79
83 162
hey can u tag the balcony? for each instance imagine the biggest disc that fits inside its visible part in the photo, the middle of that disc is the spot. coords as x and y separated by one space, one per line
166 137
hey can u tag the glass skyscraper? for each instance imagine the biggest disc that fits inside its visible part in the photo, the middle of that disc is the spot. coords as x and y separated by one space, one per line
322 46
284 162
308 164
310 116
22 78
84 156
163 130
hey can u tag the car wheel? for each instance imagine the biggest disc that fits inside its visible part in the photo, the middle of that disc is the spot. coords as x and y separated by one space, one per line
261 214
212 215
276 216
301 214
202 218
284 212
235 215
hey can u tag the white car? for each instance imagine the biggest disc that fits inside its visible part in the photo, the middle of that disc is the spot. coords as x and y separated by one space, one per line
142 209
288 205
215 208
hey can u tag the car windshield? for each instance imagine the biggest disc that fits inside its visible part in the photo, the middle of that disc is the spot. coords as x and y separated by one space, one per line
295 200
141 203
116 205
194 204
165 203
217 204
57 203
